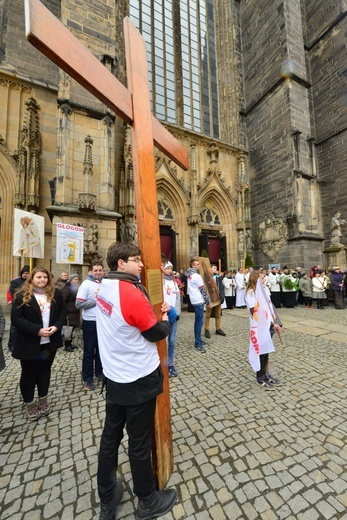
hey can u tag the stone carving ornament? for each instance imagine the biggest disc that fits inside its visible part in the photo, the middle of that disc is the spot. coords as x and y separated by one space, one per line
240 243
130 232
336 223
272 235
193 241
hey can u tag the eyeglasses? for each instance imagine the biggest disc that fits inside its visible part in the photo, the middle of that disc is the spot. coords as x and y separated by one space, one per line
137 260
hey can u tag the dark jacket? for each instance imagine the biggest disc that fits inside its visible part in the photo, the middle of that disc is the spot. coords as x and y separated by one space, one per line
2 323
336 279
16 284
69 296
220 286
28 322
60 284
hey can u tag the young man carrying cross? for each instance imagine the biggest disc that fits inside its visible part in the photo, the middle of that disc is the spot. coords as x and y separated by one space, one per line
133 105
127 331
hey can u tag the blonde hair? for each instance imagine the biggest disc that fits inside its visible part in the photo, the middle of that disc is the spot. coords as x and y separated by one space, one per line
28 288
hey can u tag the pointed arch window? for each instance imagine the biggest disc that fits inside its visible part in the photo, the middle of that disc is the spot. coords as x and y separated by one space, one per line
164 210
209 217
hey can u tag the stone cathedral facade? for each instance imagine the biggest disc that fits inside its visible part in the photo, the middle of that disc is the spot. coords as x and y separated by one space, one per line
256 91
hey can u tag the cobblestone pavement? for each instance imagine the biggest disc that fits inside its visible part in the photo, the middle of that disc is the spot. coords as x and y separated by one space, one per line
239 452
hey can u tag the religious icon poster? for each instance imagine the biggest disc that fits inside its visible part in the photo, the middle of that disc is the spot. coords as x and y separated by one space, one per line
28 234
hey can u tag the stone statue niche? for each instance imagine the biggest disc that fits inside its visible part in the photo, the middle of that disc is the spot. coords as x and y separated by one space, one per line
336 251
335 228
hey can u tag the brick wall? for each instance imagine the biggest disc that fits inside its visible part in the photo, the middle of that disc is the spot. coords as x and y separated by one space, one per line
326 41
17 51
277 103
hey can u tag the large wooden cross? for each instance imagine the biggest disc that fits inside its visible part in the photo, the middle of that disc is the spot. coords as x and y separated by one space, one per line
46 33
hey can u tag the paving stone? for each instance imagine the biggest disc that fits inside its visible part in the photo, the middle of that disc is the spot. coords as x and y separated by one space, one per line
326 509
239 452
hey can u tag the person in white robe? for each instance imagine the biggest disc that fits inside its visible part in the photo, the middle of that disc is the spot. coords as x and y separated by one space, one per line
240 281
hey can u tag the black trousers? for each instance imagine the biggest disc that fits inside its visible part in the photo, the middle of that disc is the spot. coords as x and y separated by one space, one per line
276 299
230 301
139 419
307 300
264 364
36 372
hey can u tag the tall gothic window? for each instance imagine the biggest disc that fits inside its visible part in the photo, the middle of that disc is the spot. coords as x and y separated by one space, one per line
180 37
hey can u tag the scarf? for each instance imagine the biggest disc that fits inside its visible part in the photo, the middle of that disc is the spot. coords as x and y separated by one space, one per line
130 278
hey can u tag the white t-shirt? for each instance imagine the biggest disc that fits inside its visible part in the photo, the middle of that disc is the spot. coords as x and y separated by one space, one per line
45 309
122 313
195 282
88 290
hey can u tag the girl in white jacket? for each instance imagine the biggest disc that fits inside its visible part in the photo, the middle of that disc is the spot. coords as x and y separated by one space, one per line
173 298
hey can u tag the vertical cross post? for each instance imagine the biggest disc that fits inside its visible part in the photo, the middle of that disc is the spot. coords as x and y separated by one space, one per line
46 33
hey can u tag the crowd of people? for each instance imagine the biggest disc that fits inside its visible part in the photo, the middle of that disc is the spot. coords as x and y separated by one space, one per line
289 288
120 330
286 287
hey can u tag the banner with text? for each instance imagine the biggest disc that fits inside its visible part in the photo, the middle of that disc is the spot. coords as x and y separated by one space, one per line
69 244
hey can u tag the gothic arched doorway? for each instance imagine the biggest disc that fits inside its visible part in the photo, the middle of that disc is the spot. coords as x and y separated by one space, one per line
212 242
7 191
168 244
214 245
167 234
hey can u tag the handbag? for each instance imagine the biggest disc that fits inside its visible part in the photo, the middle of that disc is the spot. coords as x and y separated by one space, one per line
66 331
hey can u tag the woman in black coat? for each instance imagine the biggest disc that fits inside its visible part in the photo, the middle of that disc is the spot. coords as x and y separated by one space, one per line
38 313
69 292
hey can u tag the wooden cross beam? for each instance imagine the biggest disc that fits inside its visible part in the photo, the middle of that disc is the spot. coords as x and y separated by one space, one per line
46 33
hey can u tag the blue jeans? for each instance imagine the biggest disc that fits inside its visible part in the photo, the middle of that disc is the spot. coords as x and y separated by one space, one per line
198 323
171 342
90 351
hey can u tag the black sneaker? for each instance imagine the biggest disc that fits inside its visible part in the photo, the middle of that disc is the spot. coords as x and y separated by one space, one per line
207 334
200 348
265 384
272 380
108 510
220 332
161 503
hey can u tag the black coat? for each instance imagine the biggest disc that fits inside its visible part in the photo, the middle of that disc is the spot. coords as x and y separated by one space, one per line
28 322
15 284
70 299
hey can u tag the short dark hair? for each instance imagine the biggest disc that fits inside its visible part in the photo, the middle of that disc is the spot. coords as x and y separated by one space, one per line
192 260
118 251
92 265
